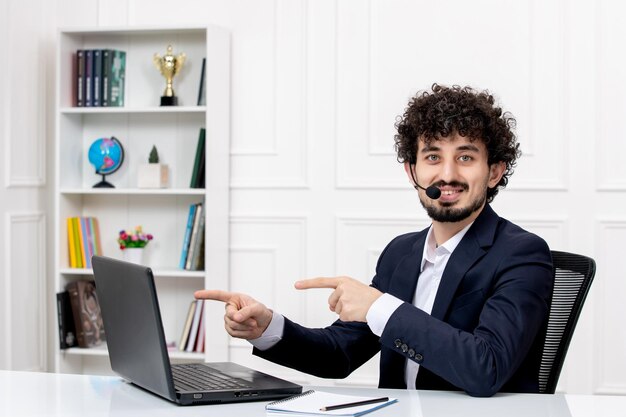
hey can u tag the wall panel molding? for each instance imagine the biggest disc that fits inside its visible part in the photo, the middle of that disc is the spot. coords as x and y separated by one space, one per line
360 239
610 96
25 117
609 289
276 245
278 158
26 280
554 230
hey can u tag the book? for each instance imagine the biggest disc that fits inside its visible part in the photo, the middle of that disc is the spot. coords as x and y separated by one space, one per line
71 243
187 327
88 77
198 160
194 235
187 237
201 92
195 326
97 77
201 171
86 248
197 259
80 78
77 243
95 230
82 239
106 75
311 403
117 77
201 332
67 329
86 313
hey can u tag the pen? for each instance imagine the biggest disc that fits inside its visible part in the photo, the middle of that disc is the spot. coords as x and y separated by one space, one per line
354 404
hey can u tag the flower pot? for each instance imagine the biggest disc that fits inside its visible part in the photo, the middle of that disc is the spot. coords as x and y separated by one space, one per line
134 255
152 176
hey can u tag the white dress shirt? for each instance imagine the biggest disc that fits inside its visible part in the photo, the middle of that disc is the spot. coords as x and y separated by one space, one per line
434 260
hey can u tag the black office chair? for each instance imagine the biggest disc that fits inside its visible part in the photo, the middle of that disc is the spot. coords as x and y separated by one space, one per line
573 275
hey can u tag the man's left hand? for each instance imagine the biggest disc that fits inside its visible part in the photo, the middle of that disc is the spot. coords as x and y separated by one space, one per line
351 299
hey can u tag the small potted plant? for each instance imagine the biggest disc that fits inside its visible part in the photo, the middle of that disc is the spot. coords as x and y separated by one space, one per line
153 174
133 243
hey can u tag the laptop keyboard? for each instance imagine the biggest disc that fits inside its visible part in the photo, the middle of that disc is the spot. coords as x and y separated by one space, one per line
196 377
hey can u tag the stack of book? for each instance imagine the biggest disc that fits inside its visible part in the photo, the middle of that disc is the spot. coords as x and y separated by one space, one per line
83 238
100 75
192 339
192 255
79 317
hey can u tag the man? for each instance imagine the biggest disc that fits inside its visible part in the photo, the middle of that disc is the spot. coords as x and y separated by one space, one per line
462 304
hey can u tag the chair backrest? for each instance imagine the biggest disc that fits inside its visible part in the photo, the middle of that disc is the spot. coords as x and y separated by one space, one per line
573 275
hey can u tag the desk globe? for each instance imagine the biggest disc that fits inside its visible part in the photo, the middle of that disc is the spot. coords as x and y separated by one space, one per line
107 156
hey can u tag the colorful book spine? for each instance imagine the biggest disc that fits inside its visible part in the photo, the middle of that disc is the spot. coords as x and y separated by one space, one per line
77 246
106 75
117 77
82 238
187 327
200 155
65 319
195 324
86 247
97 77
201 332
197 257
201 88
95 229
194 236
88 78
190 219
71 243
80 78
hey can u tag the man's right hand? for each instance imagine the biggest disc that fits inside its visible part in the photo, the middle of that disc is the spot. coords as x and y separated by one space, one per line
245 317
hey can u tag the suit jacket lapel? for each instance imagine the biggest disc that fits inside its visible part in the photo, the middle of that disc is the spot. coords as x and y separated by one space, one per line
406 274
470 249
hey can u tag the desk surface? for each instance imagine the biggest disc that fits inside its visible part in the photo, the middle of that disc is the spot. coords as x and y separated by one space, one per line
42 394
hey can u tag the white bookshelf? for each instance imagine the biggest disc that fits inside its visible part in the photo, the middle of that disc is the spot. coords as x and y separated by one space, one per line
139 125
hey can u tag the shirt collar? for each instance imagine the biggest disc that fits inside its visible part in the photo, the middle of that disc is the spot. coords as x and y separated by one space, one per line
431 251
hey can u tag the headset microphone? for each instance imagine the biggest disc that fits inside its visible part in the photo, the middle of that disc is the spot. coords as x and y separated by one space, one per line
432 192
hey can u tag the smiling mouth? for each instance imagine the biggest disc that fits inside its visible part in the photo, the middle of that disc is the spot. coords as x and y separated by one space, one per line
450 192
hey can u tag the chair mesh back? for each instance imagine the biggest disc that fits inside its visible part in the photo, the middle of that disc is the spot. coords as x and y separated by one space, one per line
573 275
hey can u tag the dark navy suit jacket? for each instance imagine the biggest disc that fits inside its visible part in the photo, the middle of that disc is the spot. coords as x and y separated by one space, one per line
486 329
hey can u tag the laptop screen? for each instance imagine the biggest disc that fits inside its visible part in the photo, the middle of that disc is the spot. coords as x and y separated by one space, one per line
132 324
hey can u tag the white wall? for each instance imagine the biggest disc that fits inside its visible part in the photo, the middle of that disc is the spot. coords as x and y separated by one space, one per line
316 190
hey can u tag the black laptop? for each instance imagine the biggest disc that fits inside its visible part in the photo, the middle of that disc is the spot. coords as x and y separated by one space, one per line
138 353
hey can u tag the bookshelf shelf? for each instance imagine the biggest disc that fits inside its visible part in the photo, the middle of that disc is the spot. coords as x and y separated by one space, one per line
158 273
163 212
103 351
133 191
136 110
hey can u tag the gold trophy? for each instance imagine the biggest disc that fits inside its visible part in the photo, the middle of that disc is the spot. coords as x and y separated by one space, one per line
169 65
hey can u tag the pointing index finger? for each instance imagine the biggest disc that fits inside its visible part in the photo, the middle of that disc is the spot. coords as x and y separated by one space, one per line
217 295
321 282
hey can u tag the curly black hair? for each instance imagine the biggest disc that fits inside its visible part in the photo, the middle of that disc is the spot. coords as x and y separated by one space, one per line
447 110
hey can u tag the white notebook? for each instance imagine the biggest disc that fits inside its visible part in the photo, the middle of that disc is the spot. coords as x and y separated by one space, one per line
311 403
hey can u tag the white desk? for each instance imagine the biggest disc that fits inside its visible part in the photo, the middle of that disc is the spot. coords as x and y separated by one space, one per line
42 394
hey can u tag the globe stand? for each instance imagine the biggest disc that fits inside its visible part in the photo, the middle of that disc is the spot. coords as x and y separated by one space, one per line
104 183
